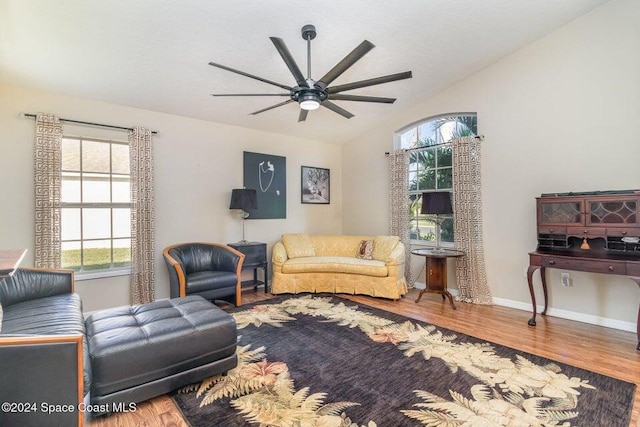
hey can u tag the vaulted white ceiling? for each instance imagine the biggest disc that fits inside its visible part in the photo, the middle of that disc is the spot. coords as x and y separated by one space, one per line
154 54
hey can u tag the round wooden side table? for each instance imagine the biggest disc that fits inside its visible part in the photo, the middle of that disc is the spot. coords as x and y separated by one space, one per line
436 271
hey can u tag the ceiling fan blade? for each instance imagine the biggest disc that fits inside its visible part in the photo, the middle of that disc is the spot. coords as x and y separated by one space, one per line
340 97
250 94
288 59
303 115
272 107
242 73
346 62
370 82
333 107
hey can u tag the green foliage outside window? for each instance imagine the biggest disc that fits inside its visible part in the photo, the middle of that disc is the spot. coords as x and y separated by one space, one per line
431 169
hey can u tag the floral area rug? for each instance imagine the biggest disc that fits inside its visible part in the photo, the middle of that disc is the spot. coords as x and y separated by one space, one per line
324 361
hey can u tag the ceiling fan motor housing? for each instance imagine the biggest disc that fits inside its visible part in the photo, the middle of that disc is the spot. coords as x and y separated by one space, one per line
300 94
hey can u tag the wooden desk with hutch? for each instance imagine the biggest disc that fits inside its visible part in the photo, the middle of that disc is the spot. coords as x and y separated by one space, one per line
597 232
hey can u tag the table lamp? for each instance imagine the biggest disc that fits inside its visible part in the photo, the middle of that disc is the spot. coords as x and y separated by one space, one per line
243 199
437 203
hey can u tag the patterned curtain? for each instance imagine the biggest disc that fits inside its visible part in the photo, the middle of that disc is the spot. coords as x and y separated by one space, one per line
47 184
142 288
467 218
399 202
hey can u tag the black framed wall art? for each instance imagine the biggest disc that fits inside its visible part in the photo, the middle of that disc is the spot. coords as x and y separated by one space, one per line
267 174
315 185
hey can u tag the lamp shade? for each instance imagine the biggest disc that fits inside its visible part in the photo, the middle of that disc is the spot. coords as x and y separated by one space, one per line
243 198
437 203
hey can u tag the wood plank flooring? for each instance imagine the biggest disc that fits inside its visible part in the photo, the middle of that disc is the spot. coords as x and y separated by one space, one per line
603 350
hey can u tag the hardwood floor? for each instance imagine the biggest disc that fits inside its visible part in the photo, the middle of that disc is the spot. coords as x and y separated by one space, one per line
603 350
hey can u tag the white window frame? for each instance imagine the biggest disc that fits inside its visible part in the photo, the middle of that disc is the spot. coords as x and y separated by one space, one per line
438 143
112 270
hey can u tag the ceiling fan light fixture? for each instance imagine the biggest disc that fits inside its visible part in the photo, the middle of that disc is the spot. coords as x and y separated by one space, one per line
310 104
309 101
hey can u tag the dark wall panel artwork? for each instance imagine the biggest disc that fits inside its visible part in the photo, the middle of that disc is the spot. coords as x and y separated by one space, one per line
268 176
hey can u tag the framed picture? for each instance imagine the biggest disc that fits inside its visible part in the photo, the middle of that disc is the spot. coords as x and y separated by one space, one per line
316 185
267 174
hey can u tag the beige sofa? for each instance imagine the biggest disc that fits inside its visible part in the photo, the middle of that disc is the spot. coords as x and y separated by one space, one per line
304 263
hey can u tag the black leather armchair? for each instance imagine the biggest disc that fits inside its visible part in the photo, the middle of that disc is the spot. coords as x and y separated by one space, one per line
43 350
211 270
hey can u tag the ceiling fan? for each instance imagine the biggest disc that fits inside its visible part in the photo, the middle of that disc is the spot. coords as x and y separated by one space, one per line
310 93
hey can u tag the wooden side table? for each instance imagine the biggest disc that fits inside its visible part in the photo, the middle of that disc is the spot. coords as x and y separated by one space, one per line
255 257
436 271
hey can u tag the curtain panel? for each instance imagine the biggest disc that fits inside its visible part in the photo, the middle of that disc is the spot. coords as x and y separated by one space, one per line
142 281
399 206
47 187
467 218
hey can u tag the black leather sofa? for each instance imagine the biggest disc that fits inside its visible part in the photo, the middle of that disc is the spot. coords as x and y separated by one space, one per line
44 364
57 369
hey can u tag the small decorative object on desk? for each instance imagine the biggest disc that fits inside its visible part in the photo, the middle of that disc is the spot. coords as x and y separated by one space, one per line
255 257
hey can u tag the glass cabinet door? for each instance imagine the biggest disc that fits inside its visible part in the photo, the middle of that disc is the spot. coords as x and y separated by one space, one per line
558 212
613 212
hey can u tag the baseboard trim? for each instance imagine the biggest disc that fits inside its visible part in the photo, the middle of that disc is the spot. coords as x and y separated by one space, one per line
571 315
556 312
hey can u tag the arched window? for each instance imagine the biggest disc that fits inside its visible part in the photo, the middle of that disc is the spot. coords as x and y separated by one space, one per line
430 168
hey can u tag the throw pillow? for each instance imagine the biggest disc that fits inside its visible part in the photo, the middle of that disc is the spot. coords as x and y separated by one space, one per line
383 246
298 245
365 249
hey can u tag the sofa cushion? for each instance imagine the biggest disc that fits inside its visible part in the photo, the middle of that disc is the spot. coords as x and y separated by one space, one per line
365 249
54 315
345 265
383 245
298 245
337 245
207 280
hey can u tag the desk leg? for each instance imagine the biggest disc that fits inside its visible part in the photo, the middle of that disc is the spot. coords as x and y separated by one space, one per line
637 280
543 279
530 271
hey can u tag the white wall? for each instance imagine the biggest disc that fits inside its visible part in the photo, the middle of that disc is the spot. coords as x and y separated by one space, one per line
197 163
558 115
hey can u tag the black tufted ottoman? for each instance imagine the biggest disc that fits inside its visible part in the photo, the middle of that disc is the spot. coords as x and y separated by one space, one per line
142 351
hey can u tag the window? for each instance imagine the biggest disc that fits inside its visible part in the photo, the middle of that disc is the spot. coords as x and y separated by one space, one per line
430 168
96 208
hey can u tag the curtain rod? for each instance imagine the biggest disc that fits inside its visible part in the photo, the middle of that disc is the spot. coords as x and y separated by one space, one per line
478 137
155 132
